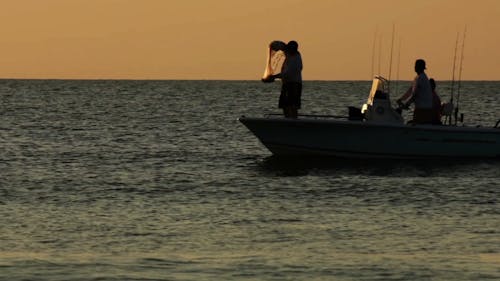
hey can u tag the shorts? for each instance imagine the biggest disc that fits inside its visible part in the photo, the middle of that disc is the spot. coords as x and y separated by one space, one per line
423 116
290 95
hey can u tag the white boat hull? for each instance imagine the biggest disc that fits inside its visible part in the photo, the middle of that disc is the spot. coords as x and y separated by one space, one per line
360 139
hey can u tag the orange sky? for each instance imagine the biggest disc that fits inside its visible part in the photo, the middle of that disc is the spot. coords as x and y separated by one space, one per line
227 39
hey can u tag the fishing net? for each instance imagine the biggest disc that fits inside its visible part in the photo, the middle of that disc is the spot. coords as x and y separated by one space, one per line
275 59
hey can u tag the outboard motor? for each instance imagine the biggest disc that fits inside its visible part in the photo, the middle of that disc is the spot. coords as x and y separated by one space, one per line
378 107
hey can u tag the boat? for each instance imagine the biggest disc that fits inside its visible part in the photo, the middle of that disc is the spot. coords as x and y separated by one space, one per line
377 130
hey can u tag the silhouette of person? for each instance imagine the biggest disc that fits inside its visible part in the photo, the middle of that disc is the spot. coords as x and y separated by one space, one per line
420 93
436 104
291 78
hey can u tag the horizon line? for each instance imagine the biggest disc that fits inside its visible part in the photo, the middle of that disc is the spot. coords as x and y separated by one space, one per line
201 79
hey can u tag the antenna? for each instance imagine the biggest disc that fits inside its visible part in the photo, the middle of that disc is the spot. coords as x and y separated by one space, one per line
379 53
373 52
460 75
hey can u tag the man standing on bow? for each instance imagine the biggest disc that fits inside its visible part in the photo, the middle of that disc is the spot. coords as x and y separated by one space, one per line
291 78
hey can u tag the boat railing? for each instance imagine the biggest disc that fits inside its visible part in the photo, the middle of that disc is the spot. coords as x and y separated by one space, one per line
323 116
313 116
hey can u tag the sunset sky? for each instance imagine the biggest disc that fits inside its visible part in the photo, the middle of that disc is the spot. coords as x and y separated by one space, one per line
227 39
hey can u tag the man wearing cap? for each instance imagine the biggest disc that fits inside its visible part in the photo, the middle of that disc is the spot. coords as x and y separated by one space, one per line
419 93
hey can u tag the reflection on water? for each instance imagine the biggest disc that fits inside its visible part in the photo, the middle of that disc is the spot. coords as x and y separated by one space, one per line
303 165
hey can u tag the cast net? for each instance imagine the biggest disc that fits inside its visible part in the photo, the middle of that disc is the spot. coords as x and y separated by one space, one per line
275 59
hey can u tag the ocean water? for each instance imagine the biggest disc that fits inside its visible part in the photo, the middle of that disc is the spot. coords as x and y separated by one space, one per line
157 180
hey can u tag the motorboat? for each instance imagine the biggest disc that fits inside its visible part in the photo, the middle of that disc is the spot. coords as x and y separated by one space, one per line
377 130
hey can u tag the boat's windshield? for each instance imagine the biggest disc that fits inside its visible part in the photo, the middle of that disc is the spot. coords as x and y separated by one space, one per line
379 84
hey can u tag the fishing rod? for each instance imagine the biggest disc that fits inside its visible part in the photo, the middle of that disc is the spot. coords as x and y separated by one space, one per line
390 60
460 78
399 63
453 78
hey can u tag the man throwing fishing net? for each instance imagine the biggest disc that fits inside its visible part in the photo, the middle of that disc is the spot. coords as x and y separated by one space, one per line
291 78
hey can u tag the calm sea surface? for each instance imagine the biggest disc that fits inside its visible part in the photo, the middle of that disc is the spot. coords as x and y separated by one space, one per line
157 180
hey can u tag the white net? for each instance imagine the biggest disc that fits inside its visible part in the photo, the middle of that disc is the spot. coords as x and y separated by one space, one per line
275 59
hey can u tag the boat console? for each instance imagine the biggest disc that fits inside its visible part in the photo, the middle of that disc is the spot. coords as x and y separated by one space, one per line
378 107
